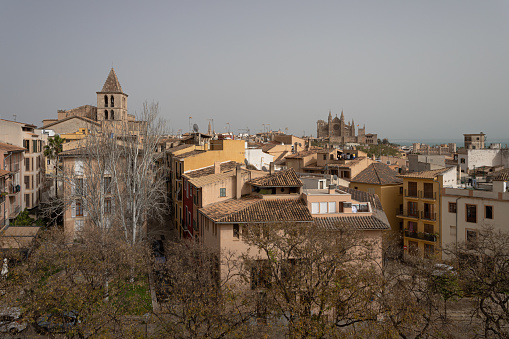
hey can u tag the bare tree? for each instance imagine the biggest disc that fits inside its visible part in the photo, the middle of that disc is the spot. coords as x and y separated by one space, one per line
196 301
316 282
483 265
114 177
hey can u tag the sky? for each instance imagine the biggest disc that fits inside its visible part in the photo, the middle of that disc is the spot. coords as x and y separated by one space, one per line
406 69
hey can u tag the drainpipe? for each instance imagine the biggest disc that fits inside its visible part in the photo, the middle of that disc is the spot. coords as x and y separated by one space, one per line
457 199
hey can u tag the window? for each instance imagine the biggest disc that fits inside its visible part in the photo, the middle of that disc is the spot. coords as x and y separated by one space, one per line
261 275
452 207
401 190
27 182
27 164
315 208
107 206
428 190
106 114
79 208
428 228
471 235
412 189
412 226
79 186
106 102
429 211
112 101
107 185
332 207
323 207
26 144
236 231
471 213
222 192
34 146
488 212
412 209
112 115
462 160
78 225
429 251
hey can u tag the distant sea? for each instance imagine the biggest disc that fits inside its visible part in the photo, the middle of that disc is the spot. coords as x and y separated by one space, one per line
459 142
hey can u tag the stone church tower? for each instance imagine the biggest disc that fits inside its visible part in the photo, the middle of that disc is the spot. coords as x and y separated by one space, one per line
111 100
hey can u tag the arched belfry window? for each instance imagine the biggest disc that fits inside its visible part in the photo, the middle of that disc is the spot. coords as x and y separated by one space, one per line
112 115
105 114
105 101
112 101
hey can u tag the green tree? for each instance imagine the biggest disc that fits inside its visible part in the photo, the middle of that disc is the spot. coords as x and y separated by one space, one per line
51 151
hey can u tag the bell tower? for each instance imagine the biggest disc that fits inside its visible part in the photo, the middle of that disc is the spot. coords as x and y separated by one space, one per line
111 100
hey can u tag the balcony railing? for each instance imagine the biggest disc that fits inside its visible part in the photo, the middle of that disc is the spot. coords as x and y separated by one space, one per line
428 215
421 235
412 214
428 195
411 193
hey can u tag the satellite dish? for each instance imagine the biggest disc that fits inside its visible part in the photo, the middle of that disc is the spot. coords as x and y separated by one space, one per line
195 128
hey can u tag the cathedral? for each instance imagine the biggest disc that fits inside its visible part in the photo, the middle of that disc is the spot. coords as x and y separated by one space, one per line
340 132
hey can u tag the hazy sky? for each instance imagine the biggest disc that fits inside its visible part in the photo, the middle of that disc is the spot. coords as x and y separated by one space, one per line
406 69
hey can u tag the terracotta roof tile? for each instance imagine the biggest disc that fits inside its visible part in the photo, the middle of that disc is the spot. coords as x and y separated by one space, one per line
253 209
3 172
357 222
11 148
225 166
285 178
502 175
425 174
302 154
378 174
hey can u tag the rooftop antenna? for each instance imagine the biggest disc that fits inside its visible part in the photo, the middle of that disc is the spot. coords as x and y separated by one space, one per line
14 115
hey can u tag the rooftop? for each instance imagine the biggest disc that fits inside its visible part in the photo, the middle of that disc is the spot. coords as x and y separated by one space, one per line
224 166
252 209
357 222
111 84
377 174
285 178
426 174
11 148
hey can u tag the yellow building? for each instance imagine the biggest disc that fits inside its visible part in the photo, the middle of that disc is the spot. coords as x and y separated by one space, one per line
383 181
421 213
188 157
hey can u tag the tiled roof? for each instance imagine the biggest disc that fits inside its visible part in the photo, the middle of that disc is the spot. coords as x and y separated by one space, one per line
225 166
357 222
302 154
502 175
363 197
10 148
111 84
211 178
425 174
179 147
253 209
378 174
90 121
280 160
285 178
189 154
3 172
348 163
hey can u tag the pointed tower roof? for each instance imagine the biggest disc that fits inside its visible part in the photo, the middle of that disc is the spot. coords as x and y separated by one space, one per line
111 85
342 116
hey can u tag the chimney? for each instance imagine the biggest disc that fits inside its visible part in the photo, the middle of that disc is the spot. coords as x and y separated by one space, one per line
271 168
217 167
295 145
332 189
238 182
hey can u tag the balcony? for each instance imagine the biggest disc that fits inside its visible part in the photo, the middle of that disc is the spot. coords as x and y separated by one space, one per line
421 235
428 195
428 216
411 194
410 214
13 189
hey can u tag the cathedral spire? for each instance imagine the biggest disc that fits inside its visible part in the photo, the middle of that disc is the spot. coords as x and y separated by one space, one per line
342 116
